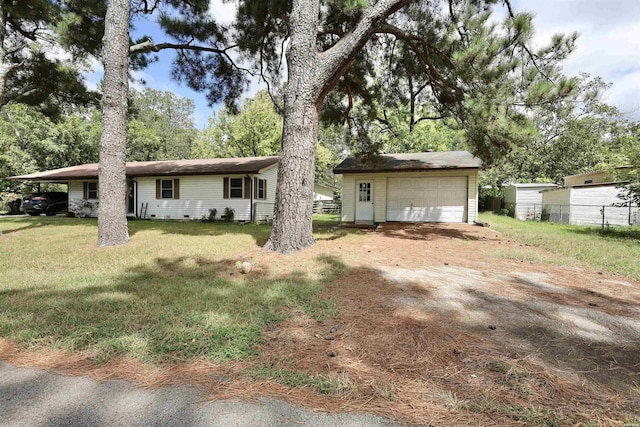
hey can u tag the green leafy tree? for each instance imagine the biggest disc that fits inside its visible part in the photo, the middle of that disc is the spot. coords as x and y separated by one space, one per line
631 149
171 120
31 142
573 135
143 142
256 130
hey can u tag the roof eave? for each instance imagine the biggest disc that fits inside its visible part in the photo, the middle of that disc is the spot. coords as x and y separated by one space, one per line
379 170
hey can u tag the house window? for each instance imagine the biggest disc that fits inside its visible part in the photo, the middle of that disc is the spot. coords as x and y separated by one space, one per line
92 190
262 189
167 188
236 186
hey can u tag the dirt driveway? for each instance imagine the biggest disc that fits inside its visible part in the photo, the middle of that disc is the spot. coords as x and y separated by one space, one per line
437 325
456 324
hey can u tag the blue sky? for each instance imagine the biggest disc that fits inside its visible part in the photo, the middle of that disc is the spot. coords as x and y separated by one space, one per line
608 46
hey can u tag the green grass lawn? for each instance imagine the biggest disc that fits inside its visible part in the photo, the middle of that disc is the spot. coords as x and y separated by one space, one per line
615 250
172 293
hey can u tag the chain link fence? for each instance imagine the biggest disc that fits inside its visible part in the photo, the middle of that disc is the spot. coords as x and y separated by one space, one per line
601 215
263 211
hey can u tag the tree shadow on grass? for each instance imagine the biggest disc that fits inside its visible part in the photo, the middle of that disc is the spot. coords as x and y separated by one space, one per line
190 308
614 233
174 309
258 231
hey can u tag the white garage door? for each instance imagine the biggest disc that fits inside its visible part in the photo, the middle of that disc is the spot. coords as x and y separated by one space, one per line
427 199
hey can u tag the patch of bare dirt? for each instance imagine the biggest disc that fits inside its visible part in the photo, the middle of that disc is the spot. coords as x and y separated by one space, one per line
433 330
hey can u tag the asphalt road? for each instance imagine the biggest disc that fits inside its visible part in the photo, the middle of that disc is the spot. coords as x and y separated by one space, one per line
33 397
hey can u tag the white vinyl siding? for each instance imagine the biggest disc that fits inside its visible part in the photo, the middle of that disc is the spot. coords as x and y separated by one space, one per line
525 200
264 208
381 193
556 205
472 197
348 198
322 193
198 194
594 198
76 193
595 178
380 199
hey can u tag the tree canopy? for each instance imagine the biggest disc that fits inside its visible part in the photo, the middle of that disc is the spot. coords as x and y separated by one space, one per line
33 65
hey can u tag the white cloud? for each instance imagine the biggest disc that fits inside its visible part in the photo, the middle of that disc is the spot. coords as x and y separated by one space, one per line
608 45
223 12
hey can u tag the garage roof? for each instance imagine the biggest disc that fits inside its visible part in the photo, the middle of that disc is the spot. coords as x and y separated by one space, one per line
410 162
240 165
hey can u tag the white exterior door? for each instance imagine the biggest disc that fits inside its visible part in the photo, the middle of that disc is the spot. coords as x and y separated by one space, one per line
364 200
427 199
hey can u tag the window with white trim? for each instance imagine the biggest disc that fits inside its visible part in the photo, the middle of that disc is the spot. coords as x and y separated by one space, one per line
92 190
166 187
262 186
236 188
364 195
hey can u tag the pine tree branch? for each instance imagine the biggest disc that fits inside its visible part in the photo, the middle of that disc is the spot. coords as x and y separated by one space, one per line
149 46
524 46
421 119
335 60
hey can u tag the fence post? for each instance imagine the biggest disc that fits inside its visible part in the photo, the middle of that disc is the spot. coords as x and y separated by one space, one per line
560 214
603 217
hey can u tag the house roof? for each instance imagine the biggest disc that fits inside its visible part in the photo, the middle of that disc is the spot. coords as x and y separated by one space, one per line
531 185
598 172
328 186
410 162
239 165
597 184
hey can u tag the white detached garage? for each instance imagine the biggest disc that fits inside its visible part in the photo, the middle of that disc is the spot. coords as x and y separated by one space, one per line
412 187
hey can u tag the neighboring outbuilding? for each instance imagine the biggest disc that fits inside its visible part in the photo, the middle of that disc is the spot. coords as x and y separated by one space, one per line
324 192
180 189
590 198
524 201
413 187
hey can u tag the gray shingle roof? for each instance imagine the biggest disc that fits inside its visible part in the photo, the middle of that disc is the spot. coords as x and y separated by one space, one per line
239 165
410 162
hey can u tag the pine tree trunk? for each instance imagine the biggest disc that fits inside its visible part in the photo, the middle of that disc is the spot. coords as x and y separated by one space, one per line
292 218
112 211
4 66
311 75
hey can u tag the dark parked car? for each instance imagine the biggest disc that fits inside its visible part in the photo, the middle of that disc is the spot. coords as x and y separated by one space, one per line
49 203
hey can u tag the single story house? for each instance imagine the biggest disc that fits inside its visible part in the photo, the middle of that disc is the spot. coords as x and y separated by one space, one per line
323 192
596 177
524 201
412 187
180 189
588 199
